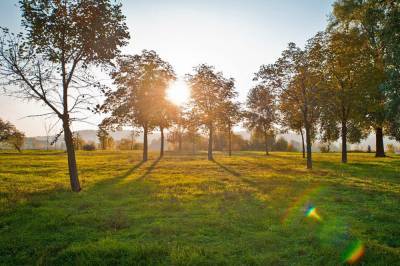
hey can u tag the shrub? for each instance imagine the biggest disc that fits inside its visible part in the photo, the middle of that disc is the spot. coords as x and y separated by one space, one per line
89 147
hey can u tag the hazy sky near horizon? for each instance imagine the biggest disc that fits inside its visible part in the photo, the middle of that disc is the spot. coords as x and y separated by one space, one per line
234 36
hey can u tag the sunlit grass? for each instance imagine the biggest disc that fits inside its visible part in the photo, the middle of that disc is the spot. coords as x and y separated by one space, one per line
240 210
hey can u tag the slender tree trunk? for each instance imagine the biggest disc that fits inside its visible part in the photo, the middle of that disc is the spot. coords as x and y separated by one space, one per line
145 131
302 143
230 141
380 149
132 140
309 147
266 143
344 141
210 143
180 142
162 142
73 170
194 145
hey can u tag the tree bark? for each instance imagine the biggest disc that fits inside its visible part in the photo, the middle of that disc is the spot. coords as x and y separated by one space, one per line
344 141
72 167
302 143
145 131
230 141
162 142
210 143
380 149
17 148
266 143
308 145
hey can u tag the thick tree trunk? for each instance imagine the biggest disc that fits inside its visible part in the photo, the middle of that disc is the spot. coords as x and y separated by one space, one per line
73 170
302 143
344 141
17 148
145 131
210 143
266 143
230 142
380 149
308 145
162 142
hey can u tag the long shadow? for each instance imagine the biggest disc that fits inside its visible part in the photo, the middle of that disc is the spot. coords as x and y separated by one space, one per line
264 186
149 170
227 169
115 179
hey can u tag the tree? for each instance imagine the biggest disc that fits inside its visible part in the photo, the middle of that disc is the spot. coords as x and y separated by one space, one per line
369 18
281 144
125 144
345 91
261 113
49 63
210 91
257 140
9 134
291 117
230 116
105 139
141 82
191 124
298 80
165 115
391 88
78 141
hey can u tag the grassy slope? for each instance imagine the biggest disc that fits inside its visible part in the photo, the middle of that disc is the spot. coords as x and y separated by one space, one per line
247 209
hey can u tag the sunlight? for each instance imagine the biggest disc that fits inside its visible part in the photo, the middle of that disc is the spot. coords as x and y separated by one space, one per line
178 92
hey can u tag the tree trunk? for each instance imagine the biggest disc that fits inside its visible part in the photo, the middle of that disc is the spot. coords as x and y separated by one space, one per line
380 149
145 131
210 143
132 140
17 148
180 142
308 145
73 170
194 145
344 141
230 142
266 143
162 142
302 143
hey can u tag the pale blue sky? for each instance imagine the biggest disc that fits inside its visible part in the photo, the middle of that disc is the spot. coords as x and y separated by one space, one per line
234 36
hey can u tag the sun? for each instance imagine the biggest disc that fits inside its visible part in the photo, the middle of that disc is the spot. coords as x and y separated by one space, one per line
178 92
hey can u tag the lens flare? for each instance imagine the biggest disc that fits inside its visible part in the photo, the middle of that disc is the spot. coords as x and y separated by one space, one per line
354 252
312 213
296 209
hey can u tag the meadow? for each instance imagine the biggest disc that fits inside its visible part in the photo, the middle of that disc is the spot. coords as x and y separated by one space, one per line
248 209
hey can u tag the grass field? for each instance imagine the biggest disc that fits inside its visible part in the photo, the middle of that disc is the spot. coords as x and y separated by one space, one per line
247 209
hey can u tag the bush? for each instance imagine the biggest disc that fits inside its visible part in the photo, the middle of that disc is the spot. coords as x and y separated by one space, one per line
89 147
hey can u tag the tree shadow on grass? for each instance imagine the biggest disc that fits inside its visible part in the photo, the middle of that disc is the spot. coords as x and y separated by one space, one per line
124 175
149 170
356 169
227 169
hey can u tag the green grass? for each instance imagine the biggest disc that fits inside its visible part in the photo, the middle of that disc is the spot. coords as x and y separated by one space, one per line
247 209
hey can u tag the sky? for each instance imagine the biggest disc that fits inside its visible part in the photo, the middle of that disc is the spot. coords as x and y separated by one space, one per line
236 37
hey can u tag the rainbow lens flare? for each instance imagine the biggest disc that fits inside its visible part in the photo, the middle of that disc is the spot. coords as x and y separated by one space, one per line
312 213
354 253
